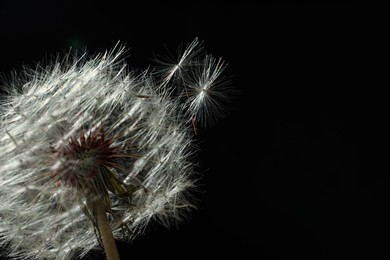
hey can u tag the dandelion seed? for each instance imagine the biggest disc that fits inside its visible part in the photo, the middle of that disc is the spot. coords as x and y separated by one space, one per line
183 62
92 153
196 79
206 93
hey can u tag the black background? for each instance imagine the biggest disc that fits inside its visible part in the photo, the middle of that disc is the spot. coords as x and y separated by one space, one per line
292 170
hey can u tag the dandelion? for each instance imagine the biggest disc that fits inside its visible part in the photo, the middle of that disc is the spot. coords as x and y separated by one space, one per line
91 152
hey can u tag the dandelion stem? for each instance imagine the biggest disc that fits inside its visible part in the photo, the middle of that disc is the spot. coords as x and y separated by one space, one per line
106 233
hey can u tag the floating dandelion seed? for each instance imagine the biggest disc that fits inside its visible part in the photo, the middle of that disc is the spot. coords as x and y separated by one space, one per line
91 153
197 80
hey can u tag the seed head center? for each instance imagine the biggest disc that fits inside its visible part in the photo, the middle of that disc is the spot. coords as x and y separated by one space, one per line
87 161
85 157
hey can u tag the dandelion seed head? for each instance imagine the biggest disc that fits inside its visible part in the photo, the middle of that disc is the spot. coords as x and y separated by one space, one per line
85 129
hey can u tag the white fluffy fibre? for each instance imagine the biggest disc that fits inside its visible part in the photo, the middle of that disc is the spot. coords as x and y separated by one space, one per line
148 114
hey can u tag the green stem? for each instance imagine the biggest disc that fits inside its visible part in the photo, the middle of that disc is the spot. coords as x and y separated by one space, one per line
106 233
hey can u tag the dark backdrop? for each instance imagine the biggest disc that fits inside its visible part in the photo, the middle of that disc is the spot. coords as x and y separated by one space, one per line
289 173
